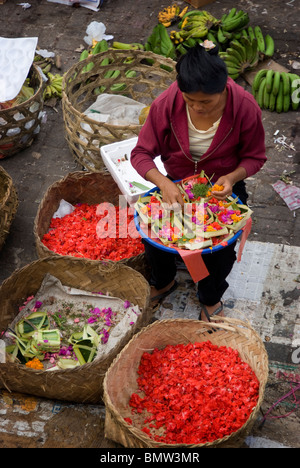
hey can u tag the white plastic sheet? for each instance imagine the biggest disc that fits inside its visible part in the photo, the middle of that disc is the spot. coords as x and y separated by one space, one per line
16 57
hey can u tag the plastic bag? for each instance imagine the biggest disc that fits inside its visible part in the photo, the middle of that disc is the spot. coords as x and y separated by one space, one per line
115 110
64 209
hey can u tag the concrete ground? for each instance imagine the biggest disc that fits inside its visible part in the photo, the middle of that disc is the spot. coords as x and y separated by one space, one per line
264 286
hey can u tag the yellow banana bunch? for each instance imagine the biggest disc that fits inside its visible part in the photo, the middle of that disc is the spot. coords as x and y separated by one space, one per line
176 37
54 87
171 15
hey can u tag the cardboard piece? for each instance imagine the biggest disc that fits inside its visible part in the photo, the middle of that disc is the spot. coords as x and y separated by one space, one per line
195 264
199 3
267 64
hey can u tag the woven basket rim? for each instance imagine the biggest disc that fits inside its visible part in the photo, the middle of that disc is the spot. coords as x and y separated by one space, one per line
221 323
32 98
89 59
22 270
9 186
95 122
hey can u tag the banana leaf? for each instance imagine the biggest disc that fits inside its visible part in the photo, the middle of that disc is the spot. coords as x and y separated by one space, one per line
160 43
22 350
64 363
30 324
85 351
46 341
194 244
85 344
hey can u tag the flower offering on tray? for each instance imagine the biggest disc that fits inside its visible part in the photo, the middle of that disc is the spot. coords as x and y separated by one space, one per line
192 394
204 220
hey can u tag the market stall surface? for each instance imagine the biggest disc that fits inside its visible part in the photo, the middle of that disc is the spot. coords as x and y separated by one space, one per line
264 286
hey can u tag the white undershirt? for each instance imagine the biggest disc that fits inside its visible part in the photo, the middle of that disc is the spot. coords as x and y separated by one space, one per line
200 140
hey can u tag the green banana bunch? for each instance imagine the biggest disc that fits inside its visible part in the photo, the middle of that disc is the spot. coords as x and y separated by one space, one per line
45 64
242 55
54 87
276 91
234 20
99 47
25 93
197 25
266 45
124 46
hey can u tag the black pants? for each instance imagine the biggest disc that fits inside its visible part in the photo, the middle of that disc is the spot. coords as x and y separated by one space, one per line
219 264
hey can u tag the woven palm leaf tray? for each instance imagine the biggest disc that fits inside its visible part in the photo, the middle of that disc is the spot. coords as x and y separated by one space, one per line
85 382
226 332
143 76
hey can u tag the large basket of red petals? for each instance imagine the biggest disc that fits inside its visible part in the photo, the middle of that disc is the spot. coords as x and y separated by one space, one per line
96 199
186 383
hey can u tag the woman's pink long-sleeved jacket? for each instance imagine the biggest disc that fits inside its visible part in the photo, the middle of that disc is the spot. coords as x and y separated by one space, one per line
238 142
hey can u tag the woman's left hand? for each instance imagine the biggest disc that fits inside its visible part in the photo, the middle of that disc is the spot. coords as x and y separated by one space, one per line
224 181
228 181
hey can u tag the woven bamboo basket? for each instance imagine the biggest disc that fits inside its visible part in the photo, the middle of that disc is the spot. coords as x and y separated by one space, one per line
8 204
20 124
79 92
228 332
83 383
80 187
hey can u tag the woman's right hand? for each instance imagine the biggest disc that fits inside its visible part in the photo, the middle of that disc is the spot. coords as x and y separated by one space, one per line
171 194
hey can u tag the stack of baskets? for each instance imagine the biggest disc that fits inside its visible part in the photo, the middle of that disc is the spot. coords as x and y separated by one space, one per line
8 204
150 74
83 383
20 124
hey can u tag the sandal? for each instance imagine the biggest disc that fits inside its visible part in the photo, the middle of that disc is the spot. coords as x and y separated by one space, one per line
161 296
208 316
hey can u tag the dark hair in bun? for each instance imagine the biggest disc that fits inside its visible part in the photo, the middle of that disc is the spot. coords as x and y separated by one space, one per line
201 69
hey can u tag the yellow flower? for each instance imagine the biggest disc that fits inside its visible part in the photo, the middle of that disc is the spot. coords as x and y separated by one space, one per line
35 363
236 218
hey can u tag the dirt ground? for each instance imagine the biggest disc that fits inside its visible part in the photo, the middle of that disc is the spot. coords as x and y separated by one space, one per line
30 422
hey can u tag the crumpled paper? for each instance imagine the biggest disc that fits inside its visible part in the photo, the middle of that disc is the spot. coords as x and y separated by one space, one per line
289 193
